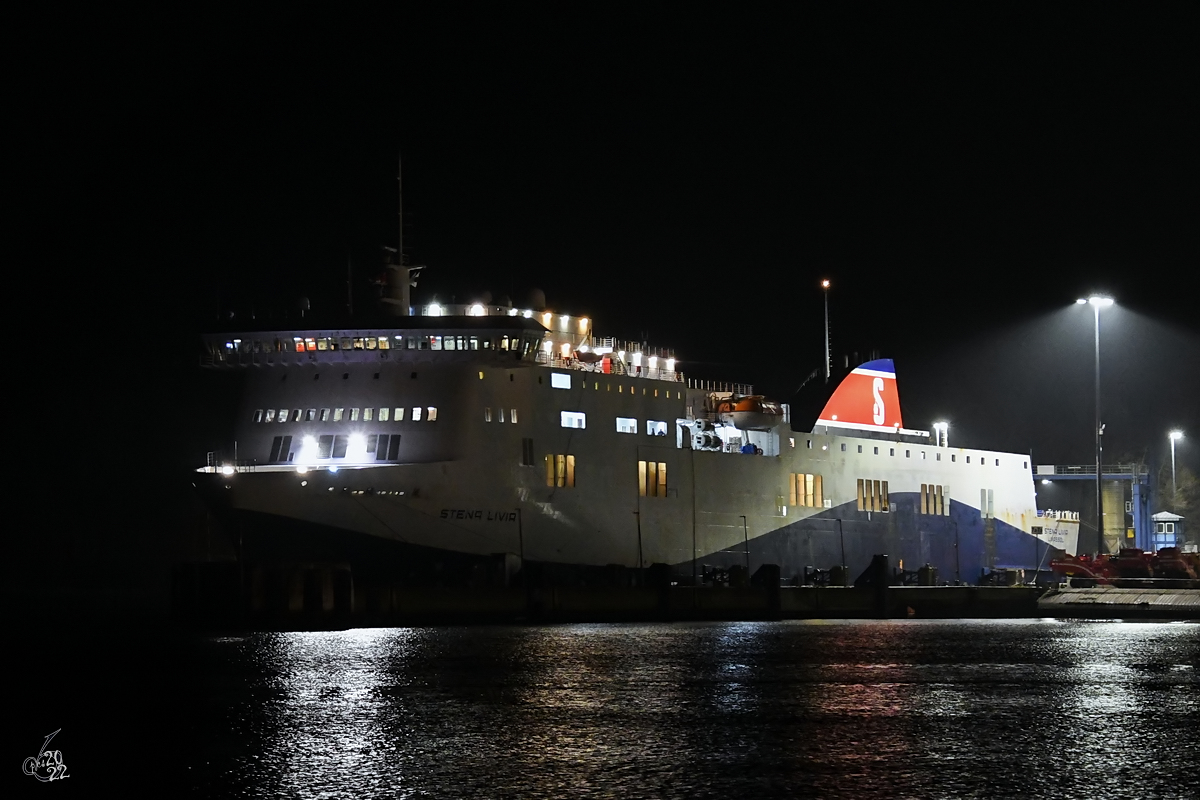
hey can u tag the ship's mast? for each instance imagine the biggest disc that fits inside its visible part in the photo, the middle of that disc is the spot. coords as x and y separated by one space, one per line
398 297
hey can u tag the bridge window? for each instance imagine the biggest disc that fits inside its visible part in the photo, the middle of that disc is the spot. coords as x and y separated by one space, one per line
655 427
560 380
626 425
573 419
431 413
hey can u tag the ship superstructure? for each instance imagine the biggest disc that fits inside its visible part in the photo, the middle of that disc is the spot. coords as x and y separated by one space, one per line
464 432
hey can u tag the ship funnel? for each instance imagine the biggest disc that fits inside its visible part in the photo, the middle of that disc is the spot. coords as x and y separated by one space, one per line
865 400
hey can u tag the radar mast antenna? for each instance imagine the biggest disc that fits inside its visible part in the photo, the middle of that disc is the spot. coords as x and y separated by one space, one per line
401 277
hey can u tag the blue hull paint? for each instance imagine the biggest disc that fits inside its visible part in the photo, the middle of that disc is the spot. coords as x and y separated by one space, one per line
958 545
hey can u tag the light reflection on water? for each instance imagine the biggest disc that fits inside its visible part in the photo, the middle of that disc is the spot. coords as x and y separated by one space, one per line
855 709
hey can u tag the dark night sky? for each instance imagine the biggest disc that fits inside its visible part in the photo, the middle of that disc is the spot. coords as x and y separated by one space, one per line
686 174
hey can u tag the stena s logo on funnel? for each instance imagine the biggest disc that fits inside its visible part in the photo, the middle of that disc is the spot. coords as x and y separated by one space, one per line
865 400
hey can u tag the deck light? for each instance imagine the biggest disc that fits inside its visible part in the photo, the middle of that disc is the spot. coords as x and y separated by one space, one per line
434 310
477 310
226 470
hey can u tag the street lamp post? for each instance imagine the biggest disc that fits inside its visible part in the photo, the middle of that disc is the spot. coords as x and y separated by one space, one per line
828 363
1174 436
1097 302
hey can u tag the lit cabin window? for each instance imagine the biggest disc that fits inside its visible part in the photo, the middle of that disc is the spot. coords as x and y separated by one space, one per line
560 380
358 343
449 343
480 374
368 413
310 415
384 344
258 416
501 414
325 446
354 415
399 415
370 342
435 343
410 343
573 419
337 414
283 415
656 427
475 343
383 414
652 479
791 441
432 413
512 415
299 344
416 417
347 343
323 344
324 415
626 425
487 415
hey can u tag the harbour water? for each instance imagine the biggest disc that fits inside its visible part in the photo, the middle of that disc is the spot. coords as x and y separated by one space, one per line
871 709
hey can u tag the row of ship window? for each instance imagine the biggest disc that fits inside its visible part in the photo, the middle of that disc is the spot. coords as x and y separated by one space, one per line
561 380
377 446
333 343
908 454
429 413
651 475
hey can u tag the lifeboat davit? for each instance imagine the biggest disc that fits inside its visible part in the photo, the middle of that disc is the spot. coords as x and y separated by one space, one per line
750 412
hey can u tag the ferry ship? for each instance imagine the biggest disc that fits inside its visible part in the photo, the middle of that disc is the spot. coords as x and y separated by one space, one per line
433 441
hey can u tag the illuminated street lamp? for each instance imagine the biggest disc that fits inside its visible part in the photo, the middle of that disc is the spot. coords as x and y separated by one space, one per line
1098 302
825 289
1173 436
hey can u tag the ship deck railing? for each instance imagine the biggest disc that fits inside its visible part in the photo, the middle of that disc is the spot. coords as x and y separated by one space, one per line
617 367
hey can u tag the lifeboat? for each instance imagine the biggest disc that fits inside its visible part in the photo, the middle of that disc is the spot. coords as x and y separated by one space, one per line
750 412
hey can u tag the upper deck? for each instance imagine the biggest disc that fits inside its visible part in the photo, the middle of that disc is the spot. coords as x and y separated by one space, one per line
445 334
